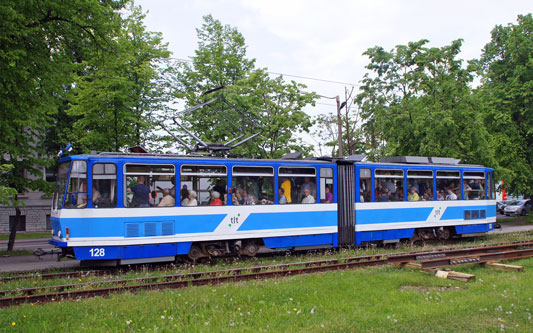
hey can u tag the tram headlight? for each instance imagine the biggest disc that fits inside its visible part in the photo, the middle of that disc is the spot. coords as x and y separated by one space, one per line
59 233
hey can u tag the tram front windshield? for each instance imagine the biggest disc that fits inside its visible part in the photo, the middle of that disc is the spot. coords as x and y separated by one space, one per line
61 184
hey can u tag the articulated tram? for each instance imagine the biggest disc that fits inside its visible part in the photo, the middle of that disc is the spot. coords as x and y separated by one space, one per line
124 208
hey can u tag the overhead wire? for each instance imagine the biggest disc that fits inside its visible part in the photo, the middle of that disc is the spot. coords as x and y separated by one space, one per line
289 75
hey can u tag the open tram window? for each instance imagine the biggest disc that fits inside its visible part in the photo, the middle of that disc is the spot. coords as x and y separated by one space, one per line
473 185
104 188
448 185
205 184
365 185
389 185
326 185
298 184
149 185
420 185
77 186
252 185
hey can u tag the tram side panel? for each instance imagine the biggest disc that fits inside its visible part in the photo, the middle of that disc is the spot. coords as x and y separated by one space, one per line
164 232
396 220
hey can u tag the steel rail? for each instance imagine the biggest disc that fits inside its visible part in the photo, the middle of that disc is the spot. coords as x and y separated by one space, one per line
477 258
169 277
428 259
121 270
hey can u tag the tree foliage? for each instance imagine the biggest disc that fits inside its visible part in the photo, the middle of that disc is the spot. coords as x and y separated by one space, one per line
418 101
116 95
327 132
40 43
506 66
255 101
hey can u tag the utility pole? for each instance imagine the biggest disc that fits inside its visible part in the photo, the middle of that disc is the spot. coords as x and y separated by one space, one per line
339 124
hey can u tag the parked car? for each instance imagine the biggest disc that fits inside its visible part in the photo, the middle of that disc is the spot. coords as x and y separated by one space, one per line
518 207
500 205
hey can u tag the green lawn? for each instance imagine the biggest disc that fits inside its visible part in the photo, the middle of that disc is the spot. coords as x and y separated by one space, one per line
27 235
371 299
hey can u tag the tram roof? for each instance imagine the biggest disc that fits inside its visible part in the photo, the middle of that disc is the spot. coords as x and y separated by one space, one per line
315 160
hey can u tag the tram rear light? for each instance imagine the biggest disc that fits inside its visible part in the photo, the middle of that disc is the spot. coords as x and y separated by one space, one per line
68 233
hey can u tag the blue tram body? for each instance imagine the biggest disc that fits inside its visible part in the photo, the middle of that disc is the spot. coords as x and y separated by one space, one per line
97 216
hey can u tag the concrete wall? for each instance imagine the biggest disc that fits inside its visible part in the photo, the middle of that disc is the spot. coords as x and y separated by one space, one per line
36 210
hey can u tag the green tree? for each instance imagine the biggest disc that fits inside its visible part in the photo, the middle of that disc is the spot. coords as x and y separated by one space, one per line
6 193
40 43
327 132
265 104
116 95
506 66
418 101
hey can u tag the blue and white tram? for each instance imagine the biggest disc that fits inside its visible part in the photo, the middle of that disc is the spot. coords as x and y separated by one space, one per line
99 213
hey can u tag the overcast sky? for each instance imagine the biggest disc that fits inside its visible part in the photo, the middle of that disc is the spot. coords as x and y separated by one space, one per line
326 39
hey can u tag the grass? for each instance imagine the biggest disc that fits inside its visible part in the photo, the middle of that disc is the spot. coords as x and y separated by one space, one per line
370 299
512 219
27 235
16 253
229 263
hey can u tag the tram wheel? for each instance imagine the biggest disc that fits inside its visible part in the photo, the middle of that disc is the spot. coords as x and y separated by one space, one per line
250 249
425 234
195 253
444 233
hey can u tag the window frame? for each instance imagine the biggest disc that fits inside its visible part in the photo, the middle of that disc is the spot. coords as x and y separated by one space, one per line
451 174
297 175
371 189
241 173
126 173
321 191
104 174
475 175
377 176
432 177
226 175
78 194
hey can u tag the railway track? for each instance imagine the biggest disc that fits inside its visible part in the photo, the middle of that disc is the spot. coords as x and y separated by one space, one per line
117 271
427 259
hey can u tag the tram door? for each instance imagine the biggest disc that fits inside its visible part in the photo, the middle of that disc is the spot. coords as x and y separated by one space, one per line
346 204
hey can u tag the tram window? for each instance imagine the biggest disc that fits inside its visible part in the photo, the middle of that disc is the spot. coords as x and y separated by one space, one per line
207 182
61 184
298 184
77 186
389 185
252 185
104 189
365 185
492 186
149 185
420 185
473 185
326 185
448 185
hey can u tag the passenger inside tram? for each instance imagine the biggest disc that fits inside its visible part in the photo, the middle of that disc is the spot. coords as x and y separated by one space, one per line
167 200
191 200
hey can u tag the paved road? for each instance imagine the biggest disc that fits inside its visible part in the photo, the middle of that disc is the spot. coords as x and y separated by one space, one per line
33 263
28 244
